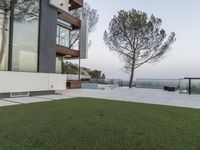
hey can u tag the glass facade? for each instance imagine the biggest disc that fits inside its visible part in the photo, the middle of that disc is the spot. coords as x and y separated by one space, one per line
62 39
63 35
25 36
58 65
4 36
23 47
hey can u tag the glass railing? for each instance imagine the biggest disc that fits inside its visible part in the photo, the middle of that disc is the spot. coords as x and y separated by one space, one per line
157 83
195 86
184 86
190 86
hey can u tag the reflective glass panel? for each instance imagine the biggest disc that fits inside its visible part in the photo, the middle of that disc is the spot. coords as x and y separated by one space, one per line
184 86
195 86
4 36
25 36
63 36
58 65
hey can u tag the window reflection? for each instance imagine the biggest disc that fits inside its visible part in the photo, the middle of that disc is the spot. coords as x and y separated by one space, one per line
58 65
63 36
4 32
25 35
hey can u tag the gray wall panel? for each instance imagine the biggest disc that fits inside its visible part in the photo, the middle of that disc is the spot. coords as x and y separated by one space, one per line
47 37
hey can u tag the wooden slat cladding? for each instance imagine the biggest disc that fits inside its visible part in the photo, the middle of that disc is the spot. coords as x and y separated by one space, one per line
75 22
73 85
64 51
75 4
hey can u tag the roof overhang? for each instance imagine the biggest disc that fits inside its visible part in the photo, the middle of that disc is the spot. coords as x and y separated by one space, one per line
75 4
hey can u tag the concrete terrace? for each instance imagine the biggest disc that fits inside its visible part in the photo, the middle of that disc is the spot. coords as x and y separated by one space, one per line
139 95
148 96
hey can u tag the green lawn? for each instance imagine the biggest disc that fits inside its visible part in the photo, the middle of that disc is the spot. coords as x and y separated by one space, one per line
87 124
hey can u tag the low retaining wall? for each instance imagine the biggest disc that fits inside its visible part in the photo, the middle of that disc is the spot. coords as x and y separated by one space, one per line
26 82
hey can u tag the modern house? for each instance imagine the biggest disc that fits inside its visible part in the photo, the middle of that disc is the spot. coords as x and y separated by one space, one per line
34 39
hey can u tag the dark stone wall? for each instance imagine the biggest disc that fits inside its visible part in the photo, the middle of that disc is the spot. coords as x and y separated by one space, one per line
47 38
38 93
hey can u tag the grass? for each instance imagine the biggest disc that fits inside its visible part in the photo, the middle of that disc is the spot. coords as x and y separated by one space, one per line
87 124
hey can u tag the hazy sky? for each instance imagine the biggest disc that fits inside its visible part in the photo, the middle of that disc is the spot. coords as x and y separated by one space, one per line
179 16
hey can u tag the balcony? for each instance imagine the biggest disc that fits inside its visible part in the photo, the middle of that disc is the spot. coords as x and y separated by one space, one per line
75 22
75 4
67 52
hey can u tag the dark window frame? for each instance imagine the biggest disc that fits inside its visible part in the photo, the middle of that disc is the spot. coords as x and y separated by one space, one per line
61 26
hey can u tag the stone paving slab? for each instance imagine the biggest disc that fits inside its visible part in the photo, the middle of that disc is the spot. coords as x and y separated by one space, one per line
34 99
148 96
6 103
25 100
54 97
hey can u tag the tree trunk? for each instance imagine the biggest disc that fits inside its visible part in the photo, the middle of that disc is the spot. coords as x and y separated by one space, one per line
132 73
131 77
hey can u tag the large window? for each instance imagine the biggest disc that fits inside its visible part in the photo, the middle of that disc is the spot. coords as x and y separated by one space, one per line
4 32
63 36
25 35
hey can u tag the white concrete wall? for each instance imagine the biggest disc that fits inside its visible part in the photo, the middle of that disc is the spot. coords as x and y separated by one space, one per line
24 82
60 4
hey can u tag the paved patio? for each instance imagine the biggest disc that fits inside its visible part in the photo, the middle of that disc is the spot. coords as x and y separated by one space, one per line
149 96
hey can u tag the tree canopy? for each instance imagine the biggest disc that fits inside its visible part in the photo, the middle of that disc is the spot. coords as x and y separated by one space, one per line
96 74
138 39
5 4
71 68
